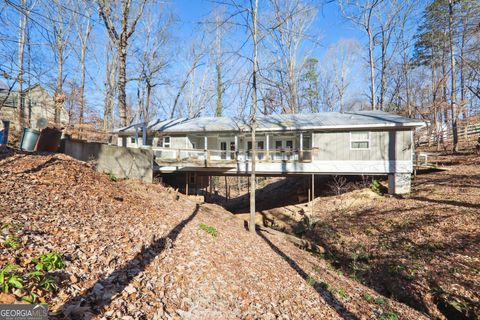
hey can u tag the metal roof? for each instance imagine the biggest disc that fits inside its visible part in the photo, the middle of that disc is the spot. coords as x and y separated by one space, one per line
289 122
153 125
286 122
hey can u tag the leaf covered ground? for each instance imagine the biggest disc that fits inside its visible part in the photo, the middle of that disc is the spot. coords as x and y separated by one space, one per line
422 249
136 251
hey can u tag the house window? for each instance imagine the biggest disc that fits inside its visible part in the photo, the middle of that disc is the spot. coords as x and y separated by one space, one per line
289 144
278 145
360 140
132 139
260 145
166 142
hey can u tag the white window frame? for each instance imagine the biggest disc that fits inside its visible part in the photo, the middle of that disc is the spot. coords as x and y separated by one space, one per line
368 140
169 142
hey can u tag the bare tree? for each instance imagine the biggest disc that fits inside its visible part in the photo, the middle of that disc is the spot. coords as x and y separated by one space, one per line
387 17
151 58
335 73
453 89
110 85
22 29
287 30
60 42
362 13
84 28
195 55
253 187
120 33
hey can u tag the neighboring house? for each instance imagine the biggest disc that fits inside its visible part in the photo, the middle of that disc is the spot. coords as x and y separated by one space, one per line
38 104
330 143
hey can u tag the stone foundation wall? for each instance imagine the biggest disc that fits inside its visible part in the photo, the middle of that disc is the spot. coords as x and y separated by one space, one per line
399 183
124 163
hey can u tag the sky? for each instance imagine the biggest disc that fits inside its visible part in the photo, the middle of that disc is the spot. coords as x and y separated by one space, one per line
329 23
329 26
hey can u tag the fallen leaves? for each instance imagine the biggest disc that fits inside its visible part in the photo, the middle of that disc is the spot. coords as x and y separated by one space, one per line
135 251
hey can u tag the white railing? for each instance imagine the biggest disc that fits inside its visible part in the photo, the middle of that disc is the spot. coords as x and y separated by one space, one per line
212 157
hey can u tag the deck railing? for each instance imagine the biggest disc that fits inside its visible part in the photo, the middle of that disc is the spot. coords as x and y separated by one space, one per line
215 157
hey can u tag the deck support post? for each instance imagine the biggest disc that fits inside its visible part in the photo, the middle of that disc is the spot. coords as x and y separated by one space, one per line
313 193
136 136
210 182
301 147
187 176
267 145
144 134
195 176
399 183
236 148
226 190
205 149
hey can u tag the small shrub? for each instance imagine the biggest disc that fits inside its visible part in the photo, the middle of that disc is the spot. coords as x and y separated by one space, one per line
48 284
459 306
30 298
11 242
338 185
209 229
8 278
389 315
8 226
112 176
376 187
380 300
368 298
35 275
309 222
342 293
311 281
325 286
48 262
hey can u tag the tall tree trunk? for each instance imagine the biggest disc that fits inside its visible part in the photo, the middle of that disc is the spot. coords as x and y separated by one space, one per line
147 103
110 76
453 85
407 80
21 47
434 99
82 87
372 67
218 44
462 76
383 70
218 111
59 95
82 72
444 90
122 81
254 119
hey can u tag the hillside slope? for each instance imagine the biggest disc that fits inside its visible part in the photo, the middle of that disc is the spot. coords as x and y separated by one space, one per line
422 248
136 251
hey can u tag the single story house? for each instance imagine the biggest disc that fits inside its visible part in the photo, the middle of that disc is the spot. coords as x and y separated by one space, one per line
329 143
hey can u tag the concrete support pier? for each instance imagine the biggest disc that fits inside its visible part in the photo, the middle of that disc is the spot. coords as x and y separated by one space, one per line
399 183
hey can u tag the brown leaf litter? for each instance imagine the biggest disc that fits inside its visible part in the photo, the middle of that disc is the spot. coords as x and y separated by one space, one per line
132 251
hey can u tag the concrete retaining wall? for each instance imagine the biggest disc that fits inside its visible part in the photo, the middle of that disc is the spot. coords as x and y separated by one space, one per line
124 163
